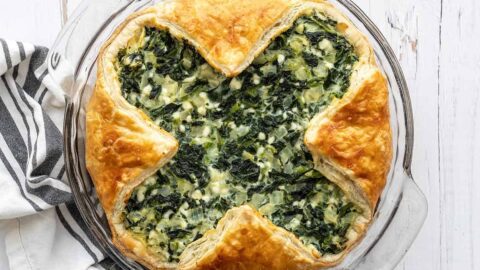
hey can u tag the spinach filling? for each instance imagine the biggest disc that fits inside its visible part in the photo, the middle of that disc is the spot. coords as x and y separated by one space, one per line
241 139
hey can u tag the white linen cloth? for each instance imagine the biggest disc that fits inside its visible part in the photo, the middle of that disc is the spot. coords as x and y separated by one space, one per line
40 227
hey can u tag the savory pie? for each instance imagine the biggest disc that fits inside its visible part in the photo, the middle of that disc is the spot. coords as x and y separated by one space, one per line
226 134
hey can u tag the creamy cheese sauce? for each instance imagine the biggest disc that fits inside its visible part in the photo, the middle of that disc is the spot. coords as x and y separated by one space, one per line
241 139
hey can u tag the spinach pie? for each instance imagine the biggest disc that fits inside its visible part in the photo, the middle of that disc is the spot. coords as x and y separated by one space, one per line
247 134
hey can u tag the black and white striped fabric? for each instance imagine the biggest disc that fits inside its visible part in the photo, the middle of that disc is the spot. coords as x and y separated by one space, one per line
40 227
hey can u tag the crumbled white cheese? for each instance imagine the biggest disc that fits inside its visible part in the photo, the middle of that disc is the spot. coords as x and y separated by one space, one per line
235 84
206 131
197 195
202 110
181 128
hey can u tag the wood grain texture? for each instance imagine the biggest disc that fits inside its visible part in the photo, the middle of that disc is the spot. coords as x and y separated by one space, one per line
34 21
68 7
437 43
459 136
413 30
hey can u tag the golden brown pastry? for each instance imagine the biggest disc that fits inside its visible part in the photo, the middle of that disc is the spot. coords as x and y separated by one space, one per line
349 140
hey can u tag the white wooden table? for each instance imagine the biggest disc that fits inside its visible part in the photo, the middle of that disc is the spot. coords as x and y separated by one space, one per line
438 45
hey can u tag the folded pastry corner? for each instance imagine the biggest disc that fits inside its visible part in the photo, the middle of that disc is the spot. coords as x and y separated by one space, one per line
123 147
351 141
244 239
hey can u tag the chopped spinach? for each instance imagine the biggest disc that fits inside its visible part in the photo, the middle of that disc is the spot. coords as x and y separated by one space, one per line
245 170
241 139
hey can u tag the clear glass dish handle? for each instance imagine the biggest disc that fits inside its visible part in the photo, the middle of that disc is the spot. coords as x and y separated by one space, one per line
405 224
76 41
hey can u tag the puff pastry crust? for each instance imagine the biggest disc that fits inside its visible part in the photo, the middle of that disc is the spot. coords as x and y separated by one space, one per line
350 141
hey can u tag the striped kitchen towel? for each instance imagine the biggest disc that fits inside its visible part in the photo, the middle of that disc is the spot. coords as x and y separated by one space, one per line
40 227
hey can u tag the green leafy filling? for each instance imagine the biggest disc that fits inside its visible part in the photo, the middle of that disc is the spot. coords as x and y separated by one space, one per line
241 139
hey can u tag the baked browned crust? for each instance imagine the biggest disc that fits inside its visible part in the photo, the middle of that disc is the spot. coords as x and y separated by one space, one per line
244 239
119 150
225 32
123 146
350 141
353 136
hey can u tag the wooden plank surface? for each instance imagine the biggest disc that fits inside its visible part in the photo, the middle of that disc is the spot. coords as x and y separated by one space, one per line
412 28
436 43
34 21
459 126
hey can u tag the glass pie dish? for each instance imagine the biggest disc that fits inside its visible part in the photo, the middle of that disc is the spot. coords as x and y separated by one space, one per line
400 212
